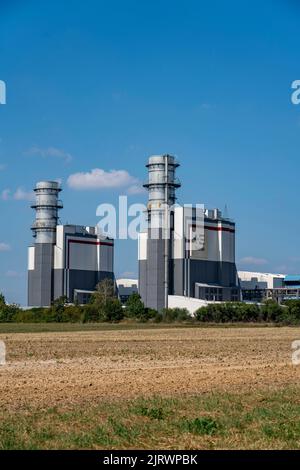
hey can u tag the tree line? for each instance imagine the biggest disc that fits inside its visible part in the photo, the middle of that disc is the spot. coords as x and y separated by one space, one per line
104 306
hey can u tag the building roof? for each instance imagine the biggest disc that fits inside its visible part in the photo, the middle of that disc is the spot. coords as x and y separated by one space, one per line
292 277
256 274
127 282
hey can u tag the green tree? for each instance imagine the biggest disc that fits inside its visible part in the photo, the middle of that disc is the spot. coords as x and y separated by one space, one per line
135 308
104 302
57 309
112 310
175 314
291 309
8 313
2 300
105 290
271 311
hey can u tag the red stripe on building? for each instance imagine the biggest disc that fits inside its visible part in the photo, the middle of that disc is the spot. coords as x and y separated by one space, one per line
90 242
84 242
216 228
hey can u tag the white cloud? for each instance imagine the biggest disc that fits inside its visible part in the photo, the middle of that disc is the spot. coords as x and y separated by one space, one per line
51 152
22 195
5 194
136 189
101 179
253 261
2 167
4 246
19 195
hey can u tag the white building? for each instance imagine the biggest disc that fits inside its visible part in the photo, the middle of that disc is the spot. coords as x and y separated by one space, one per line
168 265
126 287
65 260
253 280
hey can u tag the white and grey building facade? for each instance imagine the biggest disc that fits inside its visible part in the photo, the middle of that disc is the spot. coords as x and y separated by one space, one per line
65 260
206 270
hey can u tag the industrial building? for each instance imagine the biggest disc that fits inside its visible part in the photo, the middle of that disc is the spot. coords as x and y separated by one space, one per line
125 288
65 260
257 287
254 280
186 255
167 265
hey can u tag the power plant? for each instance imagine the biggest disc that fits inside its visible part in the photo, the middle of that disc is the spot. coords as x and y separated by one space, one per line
65 260
168 265
184 251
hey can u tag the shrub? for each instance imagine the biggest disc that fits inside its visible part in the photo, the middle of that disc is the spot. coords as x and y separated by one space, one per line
135 308
25 316
291 311
2 300
175 314
90 313
8 313
112 311
72 314
240 312
153 315
271 311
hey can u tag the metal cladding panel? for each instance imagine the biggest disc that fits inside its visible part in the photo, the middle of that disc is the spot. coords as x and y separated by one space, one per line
157 179
106 258
40 279
58 283
46 206
227 243
88 252
31 251
212 245
178 246
219 237
178 277
223 274
85 280
143 280
60 236
59 262
142 246
33 289
219 244
155 274
82 256
203 271
105 275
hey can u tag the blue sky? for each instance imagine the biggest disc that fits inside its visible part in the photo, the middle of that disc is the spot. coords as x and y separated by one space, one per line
99 84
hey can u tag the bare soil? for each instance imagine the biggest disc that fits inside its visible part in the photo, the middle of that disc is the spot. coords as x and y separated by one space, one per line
69 368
